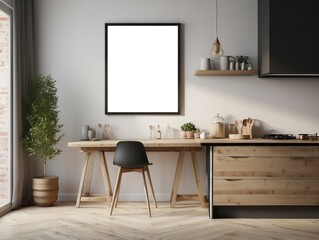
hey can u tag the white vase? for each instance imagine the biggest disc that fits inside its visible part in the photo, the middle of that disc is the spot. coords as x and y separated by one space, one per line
242 67
237 66
231 66
223 62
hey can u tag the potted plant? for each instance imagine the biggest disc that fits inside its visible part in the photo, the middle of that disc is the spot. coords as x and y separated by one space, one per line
197 133
189 129
242 61
43 135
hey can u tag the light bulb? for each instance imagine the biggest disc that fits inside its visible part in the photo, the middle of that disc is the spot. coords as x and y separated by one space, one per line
216 50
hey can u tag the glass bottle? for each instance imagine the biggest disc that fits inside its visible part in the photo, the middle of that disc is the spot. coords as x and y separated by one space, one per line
158 132
151 132
168 132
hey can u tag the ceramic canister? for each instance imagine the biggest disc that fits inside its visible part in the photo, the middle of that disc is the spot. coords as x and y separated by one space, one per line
204 64
84 132
224 62
91 134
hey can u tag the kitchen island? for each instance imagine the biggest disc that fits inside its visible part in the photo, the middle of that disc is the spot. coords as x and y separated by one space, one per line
262 177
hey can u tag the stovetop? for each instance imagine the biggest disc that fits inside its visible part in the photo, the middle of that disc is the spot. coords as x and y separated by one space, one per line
279 136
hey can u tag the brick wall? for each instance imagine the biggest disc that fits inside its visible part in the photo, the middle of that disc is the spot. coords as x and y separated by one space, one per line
4 121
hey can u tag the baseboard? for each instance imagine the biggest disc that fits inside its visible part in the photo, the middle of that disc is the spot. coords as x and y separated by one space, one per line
266 211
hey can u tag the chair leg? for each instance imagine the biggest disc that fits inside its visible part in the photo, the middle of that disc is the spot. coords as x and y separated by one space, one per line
117 187
118 192
151 185
146 193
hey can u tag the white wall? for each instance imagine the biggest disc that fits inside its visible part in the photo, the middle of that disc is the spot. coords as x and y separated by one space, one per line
70 46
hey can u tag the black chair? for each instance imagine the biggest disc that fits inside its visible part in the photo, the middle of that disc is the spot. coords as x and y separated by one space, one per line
131 156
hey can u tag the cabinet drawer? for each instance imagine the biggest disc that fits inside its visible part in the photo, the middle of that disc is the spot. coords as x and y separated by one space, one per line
265 192
296 151
266 167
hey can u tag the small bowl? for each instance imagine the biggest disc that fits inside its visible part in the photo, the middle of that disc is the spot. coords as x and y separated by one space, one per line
239 136
303 136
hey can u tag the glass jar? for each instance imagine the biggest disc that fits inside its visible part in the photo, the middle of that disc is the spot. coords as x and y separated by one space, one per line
218 128
231 128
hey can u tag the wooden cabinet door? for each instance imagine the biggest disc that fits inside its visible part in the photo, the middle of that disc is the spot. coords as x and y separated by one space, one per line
266 176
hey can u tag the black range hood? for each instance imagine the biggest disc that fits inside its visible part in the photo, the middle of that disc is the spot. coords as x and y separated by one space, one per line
288 38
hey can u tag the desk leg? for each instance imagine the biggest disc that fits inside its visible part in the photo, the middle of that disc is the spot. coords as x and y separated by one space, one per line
89 175
88 154
177 177
198 180
106 177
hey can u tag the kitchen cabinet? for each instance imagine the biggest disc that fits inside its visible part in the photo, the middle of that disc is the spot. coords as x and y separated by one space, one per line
288 38
225 72
262 177
265 175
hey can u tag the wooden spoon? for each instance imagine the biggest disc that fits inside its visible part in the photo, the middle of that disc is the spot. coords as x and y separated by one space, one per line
250 121
245 122
244 127
250 125
239 126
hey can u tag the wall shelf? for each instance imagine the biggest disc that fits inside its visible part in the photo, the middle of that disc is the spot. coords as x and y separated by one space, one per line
226 72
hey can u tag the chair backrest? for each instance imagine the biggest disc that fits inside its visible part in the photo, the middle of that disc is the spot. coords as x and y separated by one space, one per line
130 154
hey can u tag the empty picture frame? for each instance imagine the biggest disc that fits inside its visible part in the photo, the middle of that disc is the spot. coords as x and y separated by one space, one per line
142 68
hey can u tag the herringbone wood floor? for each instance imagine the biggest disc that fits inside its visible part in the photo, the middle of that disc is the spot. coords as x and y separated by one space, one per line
131 221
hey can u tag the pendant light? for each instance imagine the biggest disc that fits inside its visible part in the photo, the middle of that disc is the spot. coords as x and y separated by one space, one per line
216 50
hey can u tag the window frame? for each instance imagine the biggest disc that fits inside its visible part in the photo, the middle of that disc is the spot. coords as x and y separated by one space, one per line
6 207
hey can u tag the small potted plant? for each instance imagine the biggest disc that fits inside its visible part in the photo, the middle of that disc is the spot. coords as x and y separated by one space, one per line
43 135
242 61
197 133
189 129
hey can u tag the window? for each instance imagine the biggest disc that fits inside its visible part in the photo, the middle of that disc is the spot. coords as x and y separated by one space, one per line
5 104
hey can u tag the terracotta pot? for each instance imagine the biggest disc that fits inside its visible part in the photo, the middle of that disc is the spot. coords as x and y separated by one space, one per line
197 135
189 134
45 190
182 134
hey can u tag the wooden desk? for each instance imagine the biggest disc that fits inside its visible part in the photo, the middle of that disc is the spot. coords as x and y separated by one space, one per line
163 145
